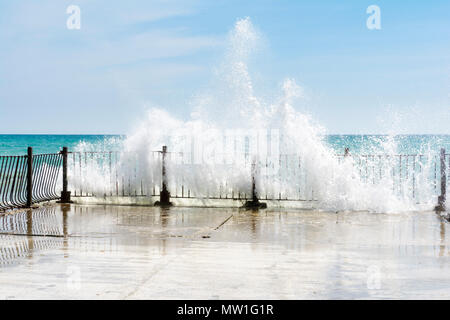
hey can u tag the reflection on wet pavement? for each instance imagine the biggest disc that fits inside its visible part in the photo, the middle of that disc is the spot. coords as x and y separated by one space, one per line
118 252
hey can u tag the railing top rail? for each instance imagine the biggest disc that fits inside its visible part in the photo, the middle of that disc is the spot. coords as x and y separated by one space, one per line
103 152
352 154
386 155
34 155
251 154
79 152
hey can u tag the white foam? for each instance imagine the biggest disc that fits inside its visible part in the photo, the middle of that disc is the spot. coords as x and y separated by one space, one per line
220 142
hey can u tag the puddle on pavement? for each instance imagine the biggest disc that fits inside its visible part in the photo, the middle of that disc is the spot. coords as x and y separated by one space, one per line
150 252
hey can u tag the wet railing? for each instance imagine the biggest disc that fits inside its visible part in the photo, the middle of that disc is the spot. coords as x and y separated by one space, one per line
408 174
285 177
25 180
13 181
46 173
113 173
28 179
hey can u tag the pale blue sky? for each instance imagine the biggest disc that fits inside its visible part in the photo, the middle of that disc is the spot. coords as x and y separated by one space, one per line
132 54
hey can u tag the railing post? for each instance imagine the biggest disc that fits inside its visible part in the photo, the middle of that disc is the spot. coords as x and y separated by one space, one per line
254 195
65 194
164 195
442 197
29 177
254 203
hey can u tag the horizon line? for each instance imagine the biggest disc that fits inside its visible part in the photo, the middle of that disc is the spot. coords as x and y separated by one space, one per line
123 134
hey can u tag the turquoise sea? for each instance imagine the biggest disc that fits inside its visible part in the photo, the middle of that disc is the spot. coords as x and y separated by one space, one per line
17 144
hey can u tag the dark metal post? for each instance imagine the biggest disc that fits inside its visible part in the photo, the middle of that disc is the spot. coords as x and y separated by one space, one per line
65 195
29 177
164 195
442 197
254 203
254 195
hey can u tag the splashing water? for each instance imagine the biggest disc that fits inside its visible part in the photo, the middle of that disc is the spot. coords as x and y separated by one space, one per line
232 131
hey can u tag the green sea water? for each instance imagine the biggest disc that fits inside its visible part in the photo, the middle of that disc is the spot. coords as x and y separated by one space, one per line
18 144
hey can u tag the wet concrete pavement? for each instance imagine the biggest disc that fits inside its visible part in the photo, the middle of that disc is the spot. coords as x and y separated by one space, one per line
119 252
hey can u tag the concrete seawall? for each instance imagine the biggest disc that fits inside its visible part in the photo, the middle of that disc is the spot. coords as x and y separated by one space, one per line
189 202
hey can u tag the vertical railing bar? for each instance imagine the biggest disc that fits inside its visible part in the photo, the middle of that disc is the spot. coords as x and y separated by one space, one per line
435 173
37 179
14 182
11 181
81 174
46 176
74 172
400 189
8 178
110 174
18 183
49 177
29 177
443 175
381 167
22 180
57 164
36 171
49 183
414 177
2 177
116 173
85 168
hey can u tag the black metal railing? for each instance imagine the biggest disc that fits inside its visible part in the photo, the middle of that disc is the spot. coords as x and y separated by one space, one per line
46 169
29 179
112 173
285 177
407 173
13 181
